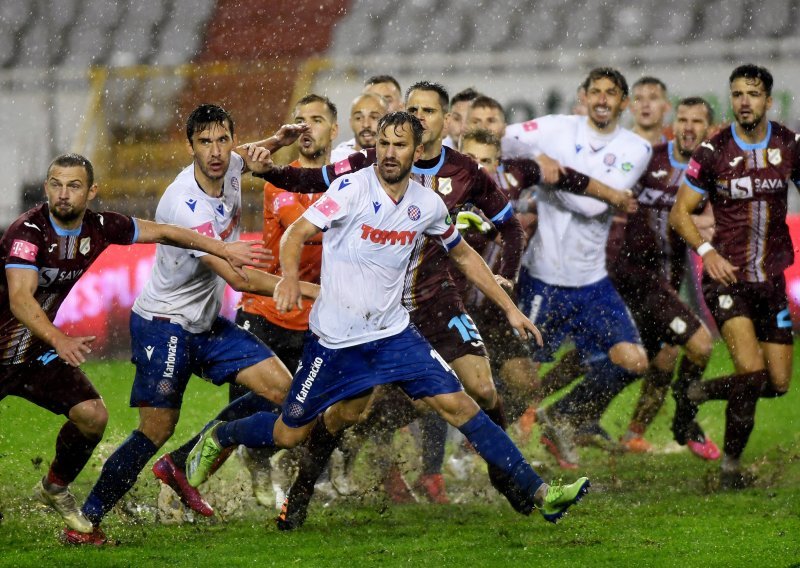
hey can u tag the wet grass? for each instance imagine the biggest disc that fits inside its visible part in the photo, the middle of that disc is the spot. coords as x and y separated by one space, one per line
662 509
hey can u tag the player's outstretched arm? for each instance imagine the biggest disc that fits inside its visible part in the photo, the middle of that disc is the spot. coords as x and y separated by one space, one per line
288 292
253 281
286 135
22 285
236 254
680 217
475 269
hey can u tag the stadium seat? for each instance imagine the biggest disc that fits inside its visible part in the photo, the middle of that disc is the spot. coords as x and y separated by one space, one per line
496 26
672 22
724 19
774 20
181 35
629 23
135 38
586 27
545 29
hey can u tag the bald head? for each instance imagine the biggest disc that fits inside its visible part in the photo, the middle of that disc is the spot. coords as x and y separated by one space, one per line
365 112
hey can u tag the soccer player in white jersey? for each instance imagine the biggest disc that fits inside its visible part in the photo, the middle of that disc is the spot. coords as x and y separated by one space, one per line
564 286
362 337
175 325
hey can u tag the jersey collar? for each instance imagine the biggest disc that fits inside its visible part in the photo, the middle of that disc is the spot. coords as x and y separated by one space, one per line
758 145
432 171
672 161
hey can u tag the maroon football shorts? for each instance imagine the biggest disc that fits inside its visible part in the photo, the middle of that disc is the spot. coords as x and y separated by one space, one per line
53 384
659 313
764 303
445 323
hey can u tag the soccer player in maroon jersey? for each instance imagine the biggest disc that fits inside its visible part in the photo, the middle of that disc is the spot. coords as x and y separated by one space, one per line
745 172
45 252
648 270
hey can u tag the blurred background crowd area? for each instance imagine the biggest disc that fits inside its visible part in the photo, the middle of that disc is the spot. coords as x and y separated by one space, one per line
114 79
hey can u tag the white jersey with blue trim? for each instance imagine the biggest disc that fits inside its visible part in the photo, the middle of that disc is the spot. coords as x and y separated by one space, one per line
365 254
569 247
181 287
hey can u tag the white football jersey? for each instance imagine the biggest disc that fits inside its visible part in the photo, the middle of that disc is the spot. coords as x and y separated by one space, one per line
569 247
180 286
365 254
343 150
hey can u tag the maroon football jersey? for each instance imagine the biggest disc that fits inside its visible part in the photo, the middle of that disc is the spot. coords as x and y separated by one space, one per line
747 185
649 244
32 242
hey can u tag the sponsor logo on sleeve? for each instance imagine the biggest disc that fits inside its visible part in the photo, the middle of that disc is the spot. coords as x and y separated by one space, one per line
530 126
24 250
206 229
327 206
342 167
627 166
284 199
693 169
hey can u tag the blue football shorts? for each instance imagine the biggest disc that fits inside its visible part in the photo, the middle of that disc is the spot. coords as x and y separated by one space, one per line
166 356
326 376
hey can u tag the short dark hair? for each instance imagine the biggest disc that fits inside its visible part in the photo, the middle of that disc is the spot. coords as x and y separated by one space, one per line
468 94
204 116
73 161
400 118
378 79
314 98
650 80
695 101
607 73
444 97
750 71
480 136
483 101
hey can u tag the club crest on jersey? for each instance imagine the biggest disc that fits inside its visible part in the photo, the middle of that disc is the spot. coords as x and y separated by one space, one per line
85 245
609 159
774 156
414 213
445 186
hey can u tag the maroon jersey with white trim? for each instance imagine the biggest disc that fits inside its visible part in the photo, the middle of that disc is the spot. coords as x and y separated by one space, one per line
32 243
649 244
747 185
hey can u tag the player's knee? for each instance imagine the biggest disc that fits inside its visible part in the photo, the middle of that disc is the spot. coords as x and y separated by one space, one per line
699 347
666 358
157 432
484 394
90 417
630 356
